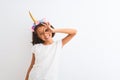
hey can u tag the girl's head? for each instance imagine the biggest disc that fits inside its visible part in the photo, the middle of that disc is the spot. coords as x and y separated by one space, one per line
41 34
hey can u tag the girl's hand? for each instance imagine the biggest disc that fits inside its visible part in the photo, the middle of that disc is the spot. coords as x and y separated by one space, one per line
48 27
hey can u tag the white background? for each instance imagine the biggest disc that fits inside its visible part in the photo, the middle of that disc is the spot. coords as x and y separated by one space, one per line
93 54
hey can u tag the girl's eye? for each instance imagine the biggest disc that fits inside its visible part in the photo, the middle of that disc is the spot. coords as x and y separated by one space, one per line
46 30
40 33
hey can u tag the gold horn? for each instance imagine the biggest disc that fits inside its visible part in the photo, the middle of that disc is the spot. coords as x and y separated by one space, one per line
34 20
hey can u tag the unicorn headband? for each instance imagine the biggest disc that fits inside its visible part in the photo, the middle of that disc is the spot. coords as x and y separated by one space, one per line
36 22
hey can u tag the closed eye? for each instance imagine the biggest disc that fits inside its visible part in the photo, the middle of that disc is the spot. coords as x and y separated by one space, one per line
41 33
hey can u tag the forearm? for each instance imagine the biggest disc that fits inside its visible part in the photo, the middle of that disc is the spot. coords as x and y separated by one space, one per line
27 75
65 30
30 67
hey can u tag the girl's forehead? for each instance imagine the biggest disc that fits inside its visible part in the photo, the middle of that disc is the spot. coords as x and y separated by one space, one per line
40 28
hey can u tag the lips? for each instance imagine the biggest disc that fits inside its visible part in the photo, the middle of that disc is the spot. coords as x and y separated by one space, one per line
47 37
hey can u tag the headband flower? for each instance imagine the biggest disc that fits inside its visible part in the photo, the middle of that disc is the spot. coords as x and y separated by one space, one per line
37 22
42 21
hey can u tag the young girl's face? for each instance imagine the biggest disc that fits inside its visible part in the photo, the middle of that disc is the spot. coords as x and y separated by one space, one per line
44 33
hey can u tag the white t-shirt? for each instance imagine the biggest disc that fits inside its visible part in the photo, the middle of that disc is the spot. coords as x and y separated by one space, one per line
46 61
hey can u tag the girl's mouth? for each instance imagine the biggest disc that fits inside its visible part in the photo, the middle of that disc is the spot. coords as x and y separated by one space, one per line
47 37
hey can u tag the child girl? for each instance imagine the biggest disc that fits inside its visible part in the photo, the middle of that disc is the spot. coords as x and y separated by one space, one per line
46 51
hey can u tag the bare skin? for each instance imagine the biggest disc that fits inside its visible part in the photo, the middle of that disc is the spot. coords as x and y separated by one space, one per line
45 33
30 67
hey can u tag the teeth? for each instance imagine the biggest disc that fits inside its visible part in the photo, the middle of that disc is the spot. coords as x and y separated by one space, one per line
47 37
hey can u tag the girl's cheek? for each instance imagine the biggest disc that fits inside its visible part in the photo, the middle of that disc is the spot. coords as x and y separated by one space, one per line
42 37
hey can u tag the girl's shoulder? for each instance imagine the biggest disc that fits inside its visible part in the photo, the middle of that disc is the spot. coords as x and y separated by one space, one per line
59 43
35 46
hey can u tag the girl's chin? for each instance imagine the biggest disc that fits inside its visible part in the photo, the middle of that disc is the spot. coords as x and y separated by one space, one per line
48 39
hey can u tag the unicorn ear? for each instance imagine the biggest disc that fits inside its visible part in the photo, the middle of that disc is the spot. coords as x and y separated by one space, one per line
34 20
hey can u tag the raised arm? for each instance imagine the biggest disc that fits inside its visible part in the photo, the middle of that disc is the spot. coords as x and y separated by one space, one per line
71 33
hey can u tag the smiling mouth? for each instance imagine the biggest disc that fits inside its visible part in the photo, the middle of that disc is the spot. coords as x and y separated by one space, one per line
47 37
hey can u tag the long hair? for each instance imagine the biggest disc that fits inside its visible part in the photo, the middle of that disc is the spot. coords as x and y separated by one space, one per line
35 38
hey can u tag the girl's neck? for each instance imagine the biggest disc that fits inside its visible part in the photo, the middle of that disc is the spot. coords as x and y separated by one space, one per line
48 42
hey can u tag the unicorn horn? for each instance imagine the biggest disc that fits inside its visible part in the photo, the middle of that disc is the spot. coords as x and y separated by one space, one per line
34 20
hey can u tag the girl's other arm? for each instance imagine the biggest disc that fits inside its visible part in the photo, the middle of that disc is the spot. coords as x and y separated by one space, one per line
71 33
30 67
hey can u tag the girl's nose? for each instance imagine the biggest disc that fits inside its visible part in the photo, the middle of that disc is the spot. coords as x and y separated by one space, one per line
45 33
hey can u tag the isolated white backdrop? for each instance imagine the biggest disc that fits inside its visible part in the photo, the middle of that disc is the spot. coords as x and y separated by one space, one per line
93 54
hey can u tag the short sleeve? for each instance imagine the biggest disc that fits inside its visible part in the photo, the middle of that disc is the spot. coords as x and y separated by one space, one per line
59 43
33 49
